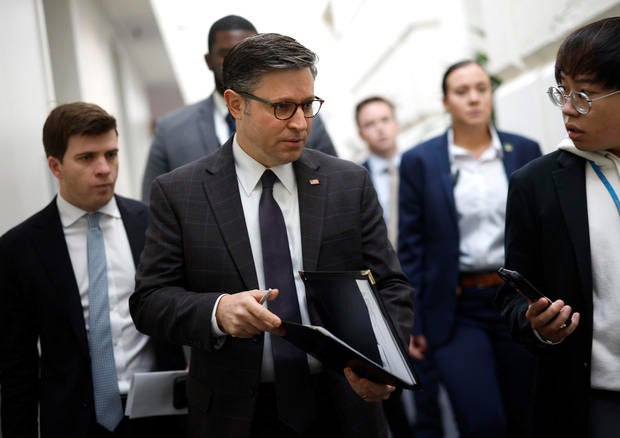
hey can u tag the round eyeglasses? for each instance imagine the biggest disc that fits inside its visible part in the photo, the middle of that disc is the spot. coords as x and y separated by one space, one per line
580 99
286 110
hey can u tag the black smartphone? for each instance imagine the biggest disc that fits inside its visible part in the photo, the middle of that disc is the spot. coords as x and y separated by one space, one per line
521 284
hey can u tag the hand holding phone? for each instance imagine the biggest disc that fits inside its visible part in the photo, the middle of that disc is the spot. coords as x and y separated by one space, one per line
523 286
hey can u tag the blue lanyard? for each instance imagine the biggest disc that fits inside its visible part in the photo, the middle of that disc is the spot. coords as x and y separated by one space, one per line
607 185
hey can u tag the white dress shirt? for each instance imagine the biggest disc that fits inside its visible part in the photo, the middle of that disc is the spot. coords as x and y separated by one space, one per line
380 176
219 117
480 192
132 351
249 172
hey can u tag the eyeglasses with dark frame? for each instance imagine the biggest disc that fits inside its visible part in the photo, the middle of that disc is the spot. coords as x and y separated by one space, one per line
286 110
580 99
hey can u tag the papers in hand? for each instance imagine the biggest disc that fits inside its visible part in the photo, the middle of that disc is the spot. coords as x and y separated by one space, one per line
151 394
354 329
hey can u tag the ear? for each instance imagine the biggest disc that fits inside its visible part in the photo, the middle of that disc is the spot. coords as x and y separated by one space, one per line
55 166
235 103
444 100
208 61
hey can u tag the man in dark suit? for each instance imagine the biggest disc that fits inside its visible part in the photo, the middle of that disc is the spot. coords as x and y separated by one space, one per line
563 235
46 313
378 127
196 130
451 226
206 265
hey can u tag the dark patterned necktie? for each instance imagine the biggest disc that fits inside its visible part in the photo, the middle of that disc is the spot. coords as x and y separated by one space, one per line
293 387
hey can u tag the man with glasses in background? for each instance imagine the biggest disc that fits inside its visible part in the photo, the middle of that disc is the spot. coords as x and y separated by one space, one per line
247 218
563 235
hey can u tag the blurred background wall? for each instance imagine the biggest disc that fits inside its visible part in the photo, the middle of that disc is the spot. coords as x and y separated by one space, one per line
139 59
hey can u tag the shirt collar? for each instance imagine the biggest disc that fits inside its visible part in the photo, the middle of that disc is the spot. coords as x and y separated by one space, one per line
600 157
379 164
69 213
249 171
496 143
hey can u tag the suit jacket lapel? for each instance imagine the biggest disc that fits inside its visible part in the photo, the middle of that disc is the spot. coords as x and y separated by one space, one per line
312 193
446 179
510 164
222 191
569 180
48 239
206 125
134 223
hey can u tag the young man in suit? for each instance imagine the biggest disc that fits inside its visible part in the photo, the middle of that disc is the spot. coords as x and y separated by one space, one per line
57 313
210 255
563 235
451 230
198 129
378 127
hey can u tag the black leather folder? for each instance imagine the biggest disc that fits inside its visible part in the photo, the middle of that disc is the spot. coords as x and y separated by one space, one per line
354 329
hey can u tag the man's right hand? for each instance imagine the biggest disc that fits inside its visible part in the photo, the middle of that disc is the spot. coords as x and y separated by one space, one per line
241 315
549 320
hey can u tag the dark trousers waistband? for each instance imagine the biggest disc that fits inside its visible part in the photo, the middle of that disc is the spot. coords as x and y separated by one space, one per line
605 394
480 279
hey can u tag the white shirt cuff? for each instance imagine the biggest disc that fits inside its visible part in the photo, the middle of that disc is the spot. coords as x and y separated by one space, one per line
215 328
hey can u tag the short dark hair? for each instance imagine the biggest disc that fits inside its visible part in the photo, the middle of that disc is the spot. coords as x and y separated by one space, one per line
229 22
368 100
450 69
76 118
256 55
592 51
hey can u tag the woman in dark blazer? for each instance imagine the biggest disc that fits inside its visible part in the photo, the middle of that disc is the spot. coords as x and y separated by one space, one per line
452 202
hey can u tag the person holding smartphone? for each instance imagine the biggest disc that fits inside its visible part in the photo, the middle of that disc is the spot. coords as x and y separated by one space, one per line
563 235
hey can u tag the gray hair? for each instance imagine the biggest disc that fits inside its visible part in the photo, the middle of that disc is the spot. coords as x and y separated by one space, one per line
257 55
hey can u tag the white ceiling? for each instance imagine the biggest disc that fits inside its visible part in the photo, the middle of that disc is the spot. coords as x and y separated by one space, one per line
185 25
136 27
167 39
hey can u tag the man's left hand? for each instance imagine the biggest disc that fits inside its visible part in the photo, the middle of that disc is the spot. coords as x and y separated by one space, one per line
368 390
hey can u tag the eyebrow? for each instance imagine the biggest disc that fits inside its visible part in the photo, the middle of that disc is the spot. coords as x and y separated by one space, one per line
290 100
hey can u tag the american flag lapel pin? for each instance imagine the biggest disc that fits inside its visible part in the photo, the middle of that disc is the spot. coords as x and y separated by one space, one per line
314 181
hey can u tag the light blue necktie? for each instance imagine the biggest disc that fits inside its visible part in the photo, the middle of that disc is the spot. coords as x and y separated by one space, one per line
108 406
